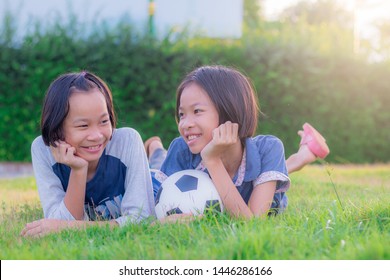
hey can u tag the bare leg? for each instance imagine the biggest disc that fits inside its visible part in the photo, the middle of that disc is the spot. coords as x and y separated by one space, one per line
152 144
155 151
312 146
301 158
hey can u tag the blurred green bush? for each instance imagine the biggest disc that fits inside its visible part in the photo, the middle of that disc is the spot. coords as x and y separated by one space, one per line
344 97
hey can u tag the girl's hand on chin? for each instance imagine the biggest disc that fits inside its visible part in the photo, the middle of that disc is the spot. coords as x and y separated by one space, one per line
224 137
66 154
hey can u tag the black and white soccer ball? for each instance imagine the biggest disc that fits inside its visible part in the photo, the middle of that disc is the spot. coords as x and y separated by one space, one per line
187 191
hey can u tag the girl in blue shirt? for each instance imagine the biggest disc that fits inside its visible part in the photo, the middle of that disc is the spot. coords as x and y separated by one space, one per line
217 113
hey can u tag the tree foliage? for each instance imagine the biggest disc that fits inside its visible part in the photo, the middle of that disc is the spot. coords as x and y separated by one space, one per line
319 12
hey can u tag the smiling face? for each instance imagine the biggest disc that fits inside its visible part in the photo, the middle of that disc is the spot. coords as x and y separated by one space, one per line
198 117
87 126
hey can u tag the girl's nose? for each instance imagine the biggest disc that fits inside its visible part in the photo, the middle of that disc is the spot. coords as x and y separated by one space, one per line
186 122
95 135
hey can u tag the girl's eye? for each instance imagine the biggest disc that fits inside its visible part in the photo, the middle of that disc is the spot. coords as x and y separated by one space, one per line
82 126
180 115
105 121
196 111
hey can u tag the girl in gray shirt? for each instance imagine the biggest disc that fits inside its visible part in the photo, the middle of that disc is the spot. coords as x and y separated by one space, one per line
87 171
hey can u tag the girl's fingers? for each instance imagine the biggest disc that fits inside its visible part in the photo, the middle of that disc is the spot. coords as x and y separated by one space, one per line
187 217
215 134
70 151
64 148
232 130
63 152
32 229
35 232
221 132
227 132
23 232
235 131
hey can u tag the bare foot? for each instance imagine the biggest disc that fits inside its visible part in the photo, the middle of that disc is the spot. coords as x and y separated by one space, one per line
306 155
152 144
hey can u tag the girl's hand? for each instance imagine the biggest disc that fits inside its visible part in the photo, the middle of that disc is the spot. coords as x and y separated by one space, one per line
66 154
224 137
43 227
178 218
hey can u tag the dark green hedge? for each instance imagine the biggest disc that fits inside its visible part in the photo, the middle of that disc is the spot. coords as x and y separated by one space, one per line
347 99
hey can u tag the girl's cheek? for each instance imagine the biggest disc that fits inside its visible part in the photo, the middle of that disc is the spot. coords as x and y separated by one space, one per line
179 127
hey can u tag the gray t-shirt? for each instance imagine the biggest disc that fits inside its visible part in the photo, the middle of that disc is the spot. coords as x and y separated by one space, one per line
121 188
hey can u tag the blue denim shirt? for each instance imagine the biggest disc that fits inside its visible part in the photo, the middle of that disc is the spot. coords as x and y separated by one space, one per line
263 161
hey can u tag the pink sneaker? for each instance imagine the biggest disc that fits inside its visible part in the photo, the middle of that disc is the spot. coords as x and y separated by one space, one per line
314 140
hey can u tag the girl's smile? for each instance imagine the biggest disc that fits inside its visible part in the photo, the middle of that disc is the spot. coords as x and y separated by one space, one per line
191 138
93 149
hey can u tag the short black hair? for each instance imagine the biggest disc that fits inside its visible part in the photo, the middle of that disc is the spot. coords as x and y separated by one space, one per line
231 92
56 103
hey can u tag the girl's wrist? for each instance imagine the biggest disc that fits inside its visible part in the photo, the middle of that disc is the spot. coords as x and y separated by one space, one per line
211 162
80 169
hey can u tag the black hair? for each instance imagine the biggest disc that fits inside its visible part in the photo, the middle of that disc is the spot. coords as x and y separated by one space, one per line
230 91
56 103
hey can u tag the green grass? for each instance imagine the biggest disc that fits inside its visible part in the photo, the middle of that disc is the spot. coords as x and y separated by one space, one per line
316 225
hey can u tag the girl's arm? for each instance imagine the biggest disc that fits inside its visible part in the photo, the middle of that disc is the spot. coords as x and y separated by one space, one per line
51 191
259 202
228 192
75 193
225 137
138 200
261 198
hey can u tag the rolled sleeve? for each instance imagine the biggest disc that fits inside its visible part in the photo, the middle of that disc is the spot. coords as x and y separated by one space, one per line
283 181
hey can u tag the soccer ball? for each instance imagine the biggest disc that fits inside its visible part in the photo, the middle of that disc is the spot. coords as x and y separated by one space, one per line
187 191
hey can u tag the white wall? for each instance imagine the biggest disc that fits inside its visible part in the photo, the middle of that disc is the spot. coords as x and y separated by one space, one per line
212 18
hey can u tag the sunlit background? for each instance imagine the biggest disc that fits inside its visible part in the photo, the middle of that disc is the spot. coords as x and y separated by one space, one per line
370 17
326 62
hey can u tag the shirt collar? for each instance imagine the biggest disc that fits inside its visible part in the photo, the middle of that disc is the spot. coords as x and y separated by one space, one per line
249 166
196 162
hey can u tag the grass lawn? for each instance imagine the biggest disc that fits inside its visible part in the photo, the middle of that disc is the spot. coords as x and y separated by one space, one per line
335 212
